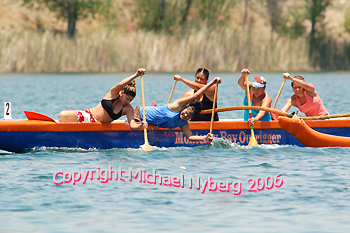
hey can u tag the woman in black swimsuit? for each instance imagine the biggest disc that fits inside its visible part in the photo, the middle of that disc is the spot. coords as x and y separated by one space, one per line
115 104
205 100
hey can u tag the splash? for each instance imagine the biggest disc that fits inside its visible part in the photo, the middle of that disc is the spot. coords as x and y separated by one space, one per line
221 143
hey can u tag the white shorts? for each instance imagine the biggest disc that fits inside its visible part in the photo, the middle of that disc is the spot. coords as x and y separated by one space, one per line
85 116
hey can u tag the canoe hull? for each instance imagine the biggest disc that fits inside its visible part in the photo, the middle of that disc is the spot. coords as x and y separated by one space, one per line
312 138
24 135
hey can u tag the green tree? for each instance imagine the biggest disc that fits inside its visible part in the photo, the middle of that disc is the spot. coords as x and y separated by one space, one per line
186 11
215 13
71 10
316 13
347 21
292 25
162 15
245 17
274 10
151 14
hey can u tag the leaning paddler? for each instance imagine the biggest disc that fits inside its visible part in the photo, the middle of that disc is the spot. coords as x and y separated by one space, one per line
305 97
115 104
258 97
178 113
206 99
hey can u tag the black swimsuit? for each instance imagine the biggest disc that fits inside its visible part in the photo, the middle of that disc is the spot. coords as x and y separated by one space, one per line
108 106
206 103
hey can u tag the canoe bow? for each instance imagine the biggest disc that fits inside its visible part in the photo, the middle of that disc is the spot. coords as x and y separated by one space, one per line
309 137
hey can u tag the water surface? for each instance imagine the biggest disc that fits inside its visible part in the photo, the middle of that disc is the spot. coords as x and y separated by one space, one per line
314 196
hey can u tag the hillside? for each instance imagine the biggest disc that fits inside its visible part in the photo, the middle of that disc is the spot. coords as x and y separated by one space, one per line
14 16
34 40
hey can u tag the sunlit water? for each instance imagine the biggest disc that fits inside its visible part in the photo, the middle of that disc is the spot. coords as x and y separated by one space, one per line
314 195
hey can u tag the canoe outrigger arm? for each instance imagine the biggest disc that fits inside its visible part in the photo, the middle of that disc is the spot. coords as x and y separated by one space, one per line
290 115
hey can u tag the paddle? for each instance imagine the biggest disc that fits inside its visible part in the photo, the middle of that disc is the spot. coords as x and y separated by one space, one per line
225 109
172 92
326 117
213 110
278 95
37 116
252 140
147 146
275 115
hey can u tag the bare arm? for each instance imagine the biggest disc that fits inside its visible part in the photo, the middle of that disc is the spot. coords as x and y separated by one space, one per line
287 105
119 87
179 104
188 93
266 102
241 80
133 124
194 85
188 133
307 86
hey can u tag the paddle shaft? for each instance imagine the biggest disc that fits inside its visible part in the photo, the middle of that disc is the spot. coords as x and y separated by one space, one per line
213 110
279 92
252 140
326 117
147 146
248 96
172 92
225 109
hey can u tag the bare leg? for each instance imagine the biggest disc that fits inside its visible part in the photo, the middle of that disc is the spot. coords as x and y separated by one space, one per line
68 116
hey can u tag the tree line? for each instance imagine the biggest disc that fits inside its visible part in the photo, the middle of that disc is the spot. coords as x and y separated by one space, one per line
179 16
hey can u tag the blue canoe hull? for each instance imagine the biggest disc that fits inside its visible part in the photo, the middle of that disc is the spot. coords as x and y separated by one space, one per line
25 135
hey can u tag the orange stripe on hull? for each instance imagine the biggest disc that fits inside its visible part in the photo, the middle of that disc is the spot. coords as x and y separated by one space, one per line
36 125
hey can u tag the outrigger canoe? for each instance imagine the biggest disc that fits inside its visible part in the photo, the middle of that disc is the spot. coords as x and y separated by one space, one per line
25 135
309 137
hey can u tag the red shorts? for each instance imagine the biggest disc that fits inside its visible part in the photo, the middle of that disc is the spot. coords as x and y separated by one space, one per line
85 116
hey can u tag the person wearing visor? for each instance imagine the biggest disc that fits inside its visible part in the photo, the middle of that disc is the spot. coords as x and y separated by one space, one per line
258 97
177 114
305 97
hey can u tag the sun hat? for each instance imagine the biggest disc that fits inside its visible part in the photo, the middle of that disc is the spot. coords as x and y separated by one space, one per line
259 81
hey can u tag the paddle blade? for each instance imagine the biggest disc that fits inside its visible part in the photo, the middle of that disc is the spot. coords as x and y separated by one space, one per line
37 116
147 146
252 140
274 115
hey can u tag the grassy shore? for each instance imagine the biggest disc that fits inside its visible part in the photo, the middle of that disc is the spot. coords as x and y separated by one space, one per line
113 51
39 44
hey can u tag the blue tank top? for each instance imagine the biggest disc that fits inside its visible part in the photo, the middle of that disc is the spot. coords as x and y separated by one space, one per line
266 117
163 117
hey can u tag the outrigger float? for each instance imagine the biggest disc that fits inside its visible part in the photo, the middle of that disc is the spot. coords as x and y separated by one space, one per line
40 131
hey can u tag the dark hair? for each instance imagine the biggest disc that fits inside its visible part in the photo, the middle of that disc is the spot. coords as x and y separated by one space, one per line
196 107
297 77
204 71
130 89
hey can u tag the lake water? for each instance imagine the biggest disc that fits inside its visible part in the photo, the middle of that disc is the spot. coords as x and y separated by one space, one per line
307 189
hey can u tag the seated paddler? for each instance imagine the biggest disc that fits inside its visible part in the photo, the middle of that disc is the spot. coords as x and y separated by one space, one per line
258 97
305 97
178 113
115 104
206 99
